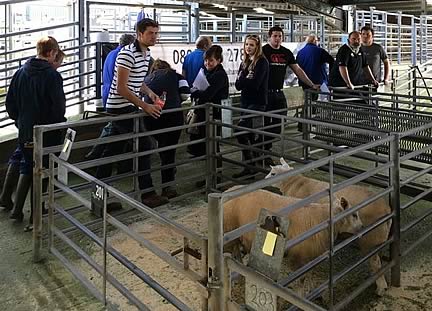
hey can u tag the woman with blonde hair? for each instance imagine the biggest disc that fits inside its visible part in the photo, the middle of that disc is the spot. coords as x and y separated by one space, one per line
252 81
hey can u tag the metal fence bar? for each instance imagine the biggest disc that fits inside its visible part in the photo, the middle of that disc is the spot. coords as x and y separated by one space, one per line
280 291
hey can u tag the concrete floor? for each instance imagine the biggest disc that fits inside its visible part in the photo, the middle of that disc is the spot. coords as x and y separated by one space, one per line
29 286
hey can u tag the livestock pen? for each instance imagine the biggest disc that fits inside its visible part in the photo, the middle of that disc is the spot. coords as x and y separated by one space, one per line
197 254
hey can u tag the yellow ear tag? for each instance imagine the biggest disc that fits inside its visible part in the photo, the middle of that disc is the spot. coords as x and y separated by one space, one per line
269 243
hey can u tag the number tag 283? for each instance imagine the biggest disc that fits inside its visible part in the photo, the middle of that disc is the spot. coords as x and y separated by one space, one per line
259 298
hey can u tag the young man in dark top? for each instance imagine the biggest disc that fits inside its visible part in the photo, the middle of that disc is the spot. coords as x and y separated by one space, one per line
279 59
375 54
351 66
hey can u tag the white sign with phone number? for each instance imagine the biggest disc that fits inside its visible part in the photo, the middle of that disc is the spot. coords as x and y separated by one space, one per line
175 54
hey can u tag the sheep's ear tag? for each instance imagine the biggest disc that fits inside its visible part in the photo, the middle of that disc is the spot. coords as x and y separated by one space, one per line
269 243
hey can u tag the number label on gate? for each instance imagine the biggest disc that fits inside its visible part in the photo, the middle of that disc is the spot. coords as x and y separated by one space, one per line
97 199
260 298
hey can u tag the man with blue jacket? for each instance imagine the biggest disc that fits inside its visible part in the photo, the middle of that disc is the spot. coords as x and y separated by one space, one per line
35 96
313 59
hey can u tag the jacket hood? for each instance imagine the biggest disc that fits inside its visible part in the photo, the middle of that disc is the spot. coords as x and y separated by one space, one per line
36 66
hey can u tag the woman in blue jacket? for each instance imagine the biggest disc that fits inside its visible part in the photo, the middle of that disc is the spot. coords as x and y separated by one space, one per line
252 81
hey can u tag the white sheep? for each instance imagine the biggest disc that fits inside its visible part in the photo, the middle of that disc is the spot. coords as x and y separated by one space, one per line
246 208
301 186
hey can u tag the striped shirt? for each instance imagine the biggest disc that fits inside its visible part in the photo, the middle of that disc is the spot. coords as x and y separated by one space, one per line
132 58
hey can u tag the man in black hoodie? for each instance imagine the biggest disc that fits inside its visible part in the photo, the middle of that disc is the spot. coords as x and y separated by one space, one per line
35 96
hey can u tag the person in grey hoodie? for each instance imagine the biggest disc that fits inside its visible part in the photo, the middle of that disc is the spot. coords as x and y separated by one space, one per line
35 97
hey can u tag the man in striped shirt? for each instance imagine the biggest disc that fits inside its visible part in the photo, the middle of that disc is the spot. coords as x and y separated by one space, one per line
132 66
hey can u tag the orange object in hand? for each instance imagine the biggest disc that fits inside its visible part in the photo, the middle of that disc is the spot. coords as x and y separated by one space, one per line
161 101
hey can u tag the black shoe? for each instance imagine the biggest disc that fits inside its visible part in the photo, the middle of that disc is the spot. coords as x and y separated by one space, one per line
243 173
18 217
169 192
200 183
153 200
9 185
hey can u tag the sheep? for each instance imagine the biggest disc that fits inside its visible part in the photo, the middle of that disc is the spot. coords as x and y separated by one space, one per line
245 209
301 186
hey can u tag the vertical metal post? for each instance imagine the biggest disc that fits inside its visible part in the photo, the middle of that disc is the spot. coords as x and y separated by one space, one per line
371 12
195 23
204 271
51 202
413 41
135 147
211 150
98 70
37 192
227 286
291 17
81 39
399 37
306 128
105 271
185 255
233 26
395 205
331 237
414 83
322 35
215 253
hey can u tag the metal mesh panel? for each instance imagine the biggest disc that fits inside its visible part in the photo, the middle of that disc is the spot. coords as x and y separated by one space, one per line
383 119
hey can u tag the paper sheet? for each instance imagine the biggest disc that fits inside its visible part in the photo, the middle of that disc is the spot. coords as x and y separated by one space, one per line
200 83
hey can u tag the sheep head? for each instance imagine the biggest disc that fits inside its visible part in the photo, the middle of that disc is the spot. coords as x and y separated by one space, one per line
349 224
279 169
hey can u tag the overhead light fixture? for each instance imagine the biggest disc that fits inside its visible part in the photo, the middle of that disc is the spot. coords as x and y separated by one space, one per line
207 14
221 6
263 11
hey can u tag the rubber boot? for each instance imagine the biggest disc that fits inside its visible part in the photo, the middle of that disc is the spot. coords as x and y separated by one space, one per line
24 183
9 186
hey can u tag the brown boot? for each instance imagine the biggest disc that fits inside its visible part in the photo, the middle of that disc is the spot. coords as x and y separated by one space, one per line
169 192
152 199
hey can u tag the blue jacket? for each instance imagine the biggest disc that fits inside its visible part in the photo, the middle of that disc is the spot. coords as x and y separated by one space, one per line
35 96
192 64
108 73
312 60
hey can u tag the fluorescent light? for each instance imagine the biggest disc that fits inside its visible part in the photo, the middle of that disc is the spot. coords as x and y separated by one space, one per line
263 11
221 6
207 14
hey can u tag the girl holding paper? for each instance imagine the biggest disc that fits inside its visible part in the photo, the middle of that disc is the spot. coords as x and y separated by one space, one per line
216 91
252 81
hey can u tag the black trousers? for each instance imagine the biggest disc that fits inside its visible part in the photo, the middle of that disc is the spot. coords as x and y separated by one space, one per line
145 143
276 101
165 139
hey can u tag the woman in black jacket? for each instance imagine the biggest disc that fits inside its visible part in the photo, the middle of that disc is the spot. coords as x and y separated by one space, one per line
215 93
252 81
173 89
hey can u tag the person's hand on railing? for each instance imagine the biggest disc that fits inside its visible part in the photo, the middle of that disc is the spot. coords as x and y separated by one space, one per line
316 87
375 83
388 82
350 86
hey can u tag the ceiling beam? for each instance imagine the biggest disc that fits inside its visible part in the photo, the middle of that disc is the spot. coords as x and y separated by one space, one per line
289 5
360 2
